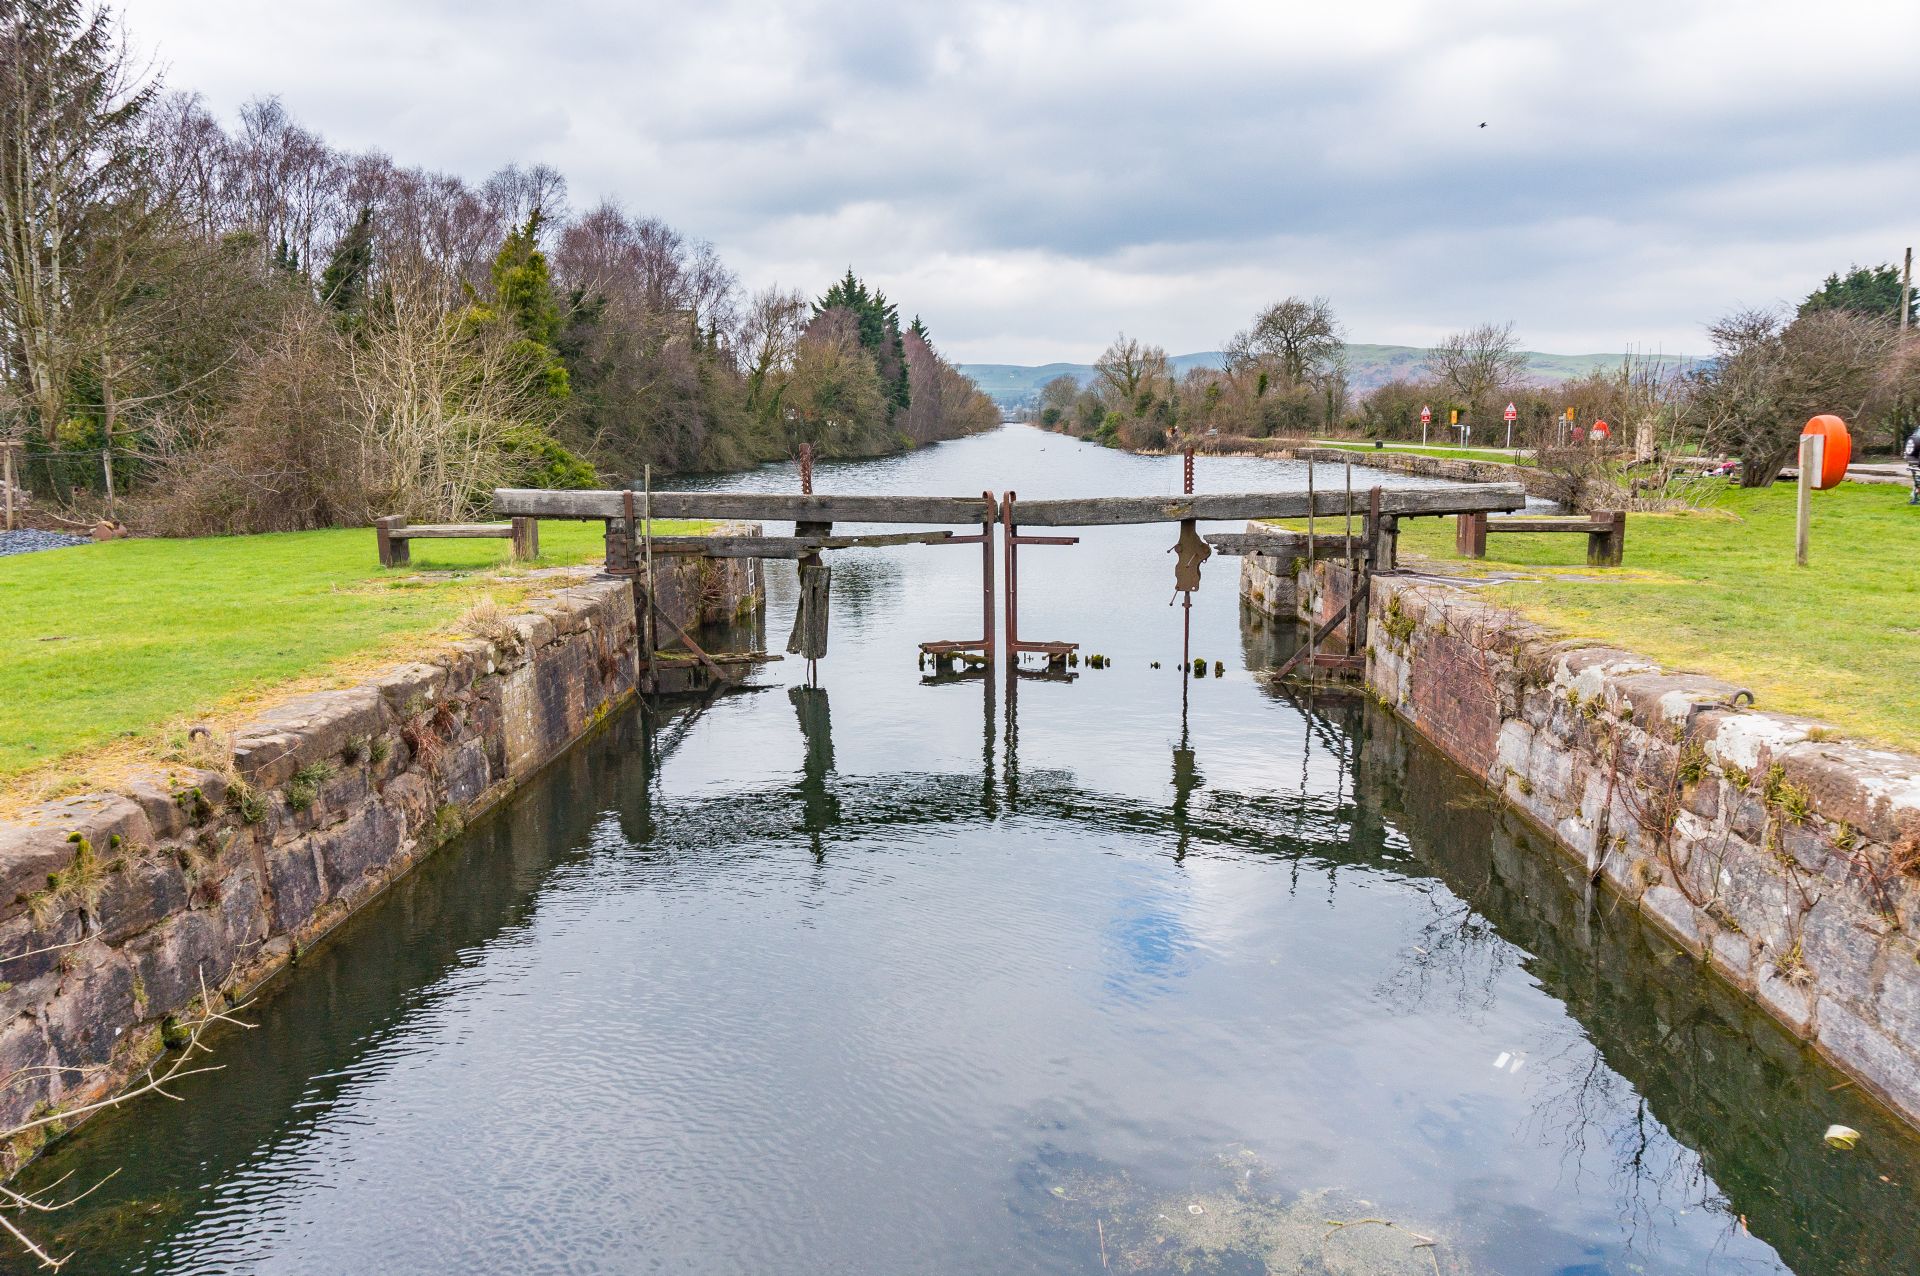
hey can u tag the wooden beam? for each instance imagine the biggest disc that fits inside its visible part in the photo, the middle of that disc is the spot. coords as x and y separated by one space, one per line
1549 525
1281 544
452 531
770 507
1096 511
786 546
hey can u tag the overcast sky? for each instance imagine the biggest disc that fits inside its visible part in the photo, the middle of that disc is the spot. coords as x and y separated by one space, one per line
1033 177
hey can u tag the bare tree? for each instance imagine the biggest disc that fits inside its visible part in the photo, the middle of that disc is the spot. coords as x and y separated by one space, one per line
1769 375
286 182
1132 375
1478 365
1293 341
76 192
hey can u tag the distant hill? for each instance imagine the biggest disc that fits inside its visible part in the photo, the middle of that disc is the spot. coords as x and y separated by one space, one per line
1013 385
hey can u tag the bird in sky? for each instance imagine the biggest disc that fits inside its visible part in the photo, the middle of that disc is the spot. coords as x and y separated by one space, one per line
1483 123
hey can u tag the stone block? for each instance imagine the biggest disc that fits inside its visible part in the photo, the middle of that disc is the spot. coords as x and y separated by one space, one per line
1791 1003
1888 1068
168 815
411 689
1754 892
1732 954
410 798
1676 916
350 850
29 950
27 856
23 1047
92 1009
295 883
242 910
1841 941
146 889
173 959
1898 1004
464 773
309 729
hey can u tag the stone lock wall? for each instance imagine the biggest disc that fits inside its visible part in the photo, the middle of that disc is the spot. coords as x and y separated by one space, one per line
118 909
1785 858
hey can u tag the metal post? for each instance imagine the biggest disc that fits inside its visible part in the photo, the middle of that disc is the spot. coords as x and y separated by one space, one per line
986 578
1186 600
806 469
647 632
1011 536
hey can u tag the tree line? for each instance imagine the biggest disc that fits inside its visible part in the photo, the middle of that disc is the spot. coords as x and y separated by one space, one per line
260 331
1842 350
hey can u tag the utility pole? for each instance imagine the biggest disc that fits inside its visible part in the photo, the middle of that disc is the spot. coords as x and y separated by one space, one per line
1906 291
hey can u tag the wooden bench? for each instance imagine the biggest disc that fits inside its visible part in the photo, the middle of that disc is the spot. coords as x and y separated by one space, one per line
394 535
1606 533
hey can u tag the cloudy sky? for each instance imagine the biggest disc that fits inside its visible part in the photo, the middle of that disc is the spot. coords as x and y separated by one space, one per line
1033 177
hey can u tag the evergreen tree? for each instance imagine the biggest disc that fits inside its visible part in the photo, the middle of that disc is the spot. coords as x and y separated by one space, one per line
879 328
523 284
343 284
523 296
1864 290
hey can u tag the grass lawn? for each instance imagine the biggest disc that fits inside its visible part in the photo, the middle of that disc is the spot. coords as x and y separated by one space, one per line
114 642
1450 453
1716 591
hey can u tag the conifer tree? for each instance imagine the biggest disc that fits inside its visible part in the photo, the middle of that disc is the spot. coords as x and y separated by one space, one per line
343 284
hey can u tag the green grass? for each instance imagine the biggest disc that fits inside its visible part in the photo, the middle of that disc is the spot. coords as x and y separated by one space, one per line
1450 453
1716 591
112 642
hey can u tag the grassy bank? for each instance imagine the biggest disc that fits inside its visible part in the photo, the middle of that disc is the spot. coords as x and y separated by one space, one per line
1716 591
1515 457
115 642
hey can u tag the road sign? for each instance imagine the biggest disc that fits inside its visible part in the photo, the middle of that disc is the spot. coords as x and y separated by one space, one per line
1426 415
1513 413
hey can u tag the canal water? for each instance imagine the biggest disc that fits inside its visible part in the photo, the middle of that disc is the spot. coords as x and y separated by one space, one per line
1122 973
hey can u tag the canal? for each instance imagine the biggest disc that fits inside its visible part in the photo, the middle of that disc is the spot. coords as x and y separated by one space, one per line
1125 973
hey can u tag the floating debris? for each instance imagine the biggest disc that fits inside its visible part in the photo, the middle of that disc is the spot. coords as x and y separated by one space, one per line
1231 1219
1844 1137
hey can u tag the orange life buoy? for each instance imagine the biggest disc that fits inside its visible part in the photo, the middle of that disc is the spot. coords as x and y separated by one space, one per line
1836 450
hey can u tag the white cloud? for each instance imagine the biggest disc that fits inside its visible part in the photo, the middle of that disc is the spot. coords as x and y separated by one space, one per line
1033 177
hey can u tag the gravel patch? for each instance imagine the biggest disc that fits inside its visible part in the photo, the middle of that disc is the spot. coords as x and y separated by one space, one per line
27 541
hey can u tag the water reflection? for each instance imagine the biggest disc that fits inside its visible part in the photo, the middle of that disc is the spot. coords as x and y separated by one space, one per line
854 977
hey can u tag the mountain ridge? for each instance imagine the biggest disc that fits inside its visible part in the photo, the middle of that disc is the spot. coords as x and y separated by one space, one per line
1013 385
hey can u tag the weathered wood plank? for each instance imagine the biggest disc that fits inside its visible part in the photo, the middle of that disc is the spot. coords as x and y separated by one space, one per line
1096 511
1547 525
770 507
1286 544
786 546
451 531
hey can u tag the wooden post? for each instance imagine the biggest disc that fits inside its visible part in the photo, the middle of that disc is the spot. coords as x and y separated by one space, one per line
1608 548
106 468
523 545
1812 456
393 550
1470 535
1384 543
7 447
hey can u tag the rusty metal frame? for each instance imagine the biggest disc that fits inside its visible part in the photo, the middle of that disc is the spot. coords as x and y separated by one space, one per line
1055 652
942 649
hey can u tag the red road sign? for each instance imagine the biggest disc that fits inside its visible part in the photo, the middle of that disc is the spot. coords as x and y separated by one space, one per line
1426 415
1512 414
